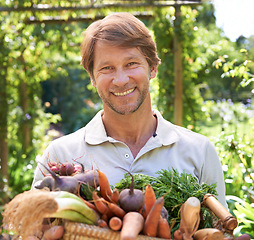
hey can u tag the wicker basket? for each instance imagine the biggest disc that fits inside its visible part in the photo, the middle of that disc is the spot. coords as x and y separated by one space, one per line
80 231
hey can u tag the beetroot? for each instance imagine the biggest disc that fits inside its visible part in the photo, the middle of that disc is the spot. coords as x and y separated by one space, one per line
89 177
63 183
66 169
46 182
131 199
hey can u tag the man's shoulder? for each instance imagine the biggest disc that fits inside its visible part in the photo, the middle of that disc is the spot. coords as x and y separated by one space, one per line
189 135
182 133
71 137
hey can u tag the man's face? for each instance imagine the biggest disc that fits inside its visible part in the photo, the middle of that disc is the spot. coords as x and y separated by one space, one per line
121 76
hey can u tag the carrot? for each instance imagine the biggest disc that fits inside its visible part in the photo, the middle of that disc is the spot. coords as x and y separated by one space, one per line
164 230
105 189
89 204
104 217
133 223
150 198
229 221
152 220
115 223
117 210
115 196
178 235
102 223
99 203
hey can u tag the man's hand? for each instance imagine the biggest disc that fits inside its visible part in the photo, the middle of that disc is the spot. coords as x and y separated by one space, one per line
52 233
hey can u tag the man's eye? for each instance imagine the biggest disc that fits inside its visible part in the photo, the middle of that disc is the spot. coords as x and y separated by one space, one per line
106 68
131 63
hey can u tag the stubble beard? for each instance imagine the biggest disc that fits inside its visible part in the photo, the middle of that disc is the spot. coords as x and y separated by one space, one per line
126 108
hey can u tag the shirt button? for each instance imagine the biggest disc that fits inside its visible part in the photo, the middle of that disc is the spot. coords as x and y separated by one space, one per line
126 155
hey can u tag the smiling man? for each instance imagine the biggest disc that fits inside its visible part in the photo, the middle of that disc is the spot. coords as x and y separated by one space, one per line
120 56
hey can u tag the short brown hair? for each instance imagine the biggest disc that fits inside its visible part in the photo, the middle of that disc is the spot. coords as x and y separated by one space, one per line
118 29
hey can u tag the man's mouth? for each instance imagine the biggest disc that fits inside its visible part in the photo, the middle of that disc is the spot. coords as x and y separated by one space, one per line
123 93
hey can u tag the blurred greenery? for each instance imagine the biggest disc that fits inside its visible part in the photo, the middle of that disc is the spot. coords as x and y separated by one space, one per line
43 88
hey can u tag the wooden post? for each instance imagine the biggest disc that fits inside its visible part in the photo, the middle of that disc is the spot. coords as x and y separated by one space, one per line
178 101
4 153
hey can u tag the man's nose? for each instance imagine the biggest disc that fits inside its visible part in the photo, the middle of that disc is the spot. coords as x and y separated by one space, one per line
121 77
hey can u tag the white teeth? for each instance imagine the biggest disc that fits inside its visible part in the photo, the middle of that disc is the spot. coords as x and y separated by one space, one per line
124 93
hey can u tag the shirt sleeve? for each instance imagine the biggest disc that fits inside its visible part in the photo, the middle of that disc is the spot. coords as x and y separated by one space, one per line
212 172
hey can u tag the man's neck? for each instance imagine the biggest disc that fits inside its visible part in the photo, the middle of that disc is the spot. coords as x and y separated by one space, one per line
133 129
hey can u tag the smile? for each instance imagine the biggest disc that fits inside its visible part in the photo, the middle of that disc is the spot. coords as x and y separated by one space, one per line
124 93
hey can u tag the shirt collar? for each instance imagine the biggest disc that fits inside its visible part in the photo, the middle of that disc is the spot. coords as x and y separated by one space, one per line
165 131
95 132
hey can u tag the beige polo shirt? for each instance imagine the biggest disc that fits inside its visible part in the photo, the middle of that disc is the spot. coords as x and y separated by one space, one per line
170 147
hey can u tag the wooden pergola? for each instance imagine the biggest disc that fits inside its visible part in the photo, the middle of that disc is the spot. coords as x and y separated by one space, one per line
83 6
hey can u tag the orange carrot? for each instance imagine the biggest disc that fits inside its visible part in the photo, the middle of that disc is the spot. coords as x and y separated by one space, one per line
99 203
178 235
115 196
104 217
115 223
133 223
150 198
105 189
152 220
89 204
164 230
102 223
116 209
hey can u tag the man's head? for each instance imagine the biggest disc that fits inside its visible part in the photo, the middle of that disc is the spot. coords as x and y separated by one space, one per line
118 29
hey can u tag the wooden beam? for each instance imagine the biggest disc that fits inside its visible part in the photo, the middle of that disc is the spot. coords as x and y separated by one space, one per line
84 18
114 4
178 71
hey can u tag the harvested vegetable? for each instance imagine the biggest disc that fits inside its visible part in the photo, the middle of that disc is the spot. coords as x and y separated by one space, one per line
153 217
150 198
89 177
47 182
208 234
131 199
229 221
115 223
133 223
179 186
66 169
244 237
178 235
164 230
62 183
116 210
99 203
24 214
190 217
115 196
105 189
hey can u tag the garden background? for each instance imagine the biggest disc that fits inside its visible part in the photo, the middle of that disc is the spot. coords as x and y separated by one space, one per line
45 93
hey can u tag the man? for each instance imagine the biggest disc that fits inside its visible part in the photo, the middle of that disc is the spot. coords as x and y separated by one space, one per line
120 56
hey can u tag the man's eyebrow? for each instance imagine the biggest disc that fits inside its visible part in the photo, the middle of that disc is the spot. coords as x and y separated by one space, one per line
128 58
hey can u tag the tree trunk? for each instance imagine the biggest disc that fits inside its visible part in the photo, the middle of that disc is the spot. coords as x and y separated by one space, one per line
178 102
3 127
25 131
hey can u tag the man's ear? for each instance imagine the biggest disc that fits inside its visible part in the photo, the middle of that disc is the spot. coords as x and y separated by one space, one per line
93 82
153 72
